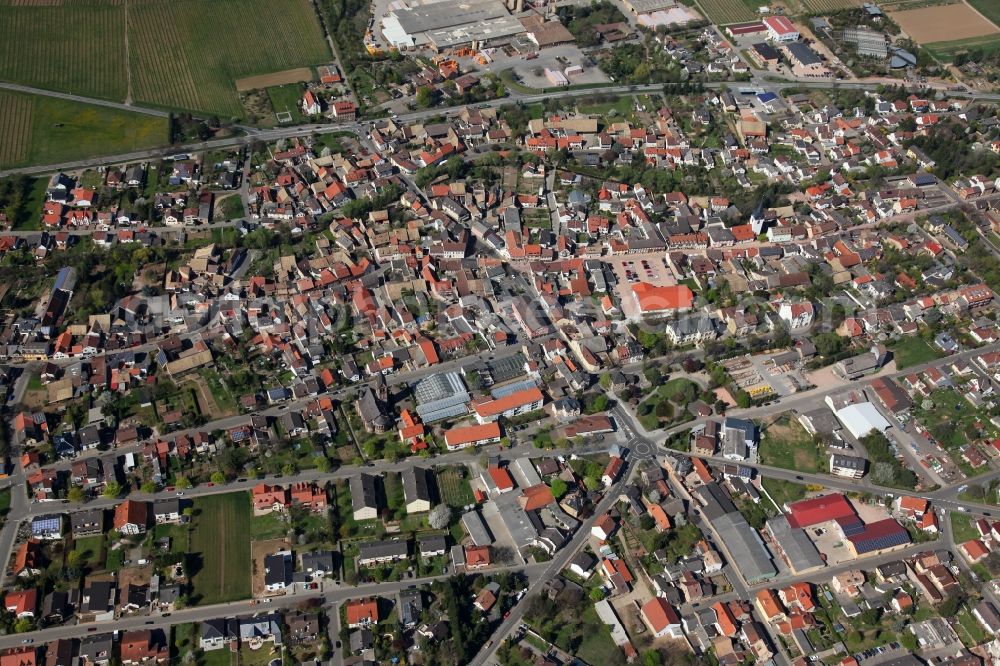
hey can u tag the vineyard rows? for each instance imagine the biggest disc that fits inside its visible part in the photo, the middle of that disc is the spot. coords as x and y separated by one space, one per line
15 128
183 54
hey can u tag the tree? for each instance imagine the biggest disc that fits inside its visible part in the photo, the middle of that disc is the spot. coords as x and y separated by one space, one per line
742 399
652 657
949 607
148 487
425 96
182 482
75 494
558 487
596 594
909 641
218 478
440 516
73 559
112 489
289 468
322 464
870 616
23 625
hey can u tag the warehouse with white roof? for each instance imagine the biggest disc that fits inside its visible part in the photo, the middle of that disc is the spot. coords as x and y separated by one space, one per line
862 418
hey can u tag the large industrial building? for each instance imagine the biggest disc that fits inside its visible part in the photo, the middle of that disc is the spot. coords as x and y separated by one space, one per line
746 549
443 25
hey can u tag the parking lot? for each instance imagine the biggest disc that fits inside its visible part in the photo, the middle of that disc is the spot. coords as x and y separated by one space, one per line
635 268
531 72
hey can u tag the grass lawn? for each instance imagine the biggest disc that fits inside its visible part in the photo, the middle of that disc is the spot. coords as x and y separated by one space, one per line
221 539
453 483
287 98
183 639
913 351
783 492
221 657
115 559
620 106
178 535
231 208
35 129
962 528
261 657
90 549
597 646
971 628
270 526
785 443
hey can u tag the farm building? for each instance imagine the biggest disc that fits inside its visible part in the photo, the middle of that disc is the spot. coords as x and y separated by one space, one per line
781 29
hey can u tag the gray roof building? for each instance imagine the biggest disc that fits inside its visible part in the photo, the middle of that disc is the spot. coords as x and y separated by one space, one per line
431 546
97 649
318 562
361 639
416 486
793 542
371 552
262 627
411 605
364 495
474 525
803 54
277 570
747 550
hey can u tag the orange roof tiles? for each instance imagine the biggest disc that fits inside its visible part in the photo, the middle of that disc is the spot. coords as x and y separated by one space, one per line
654 299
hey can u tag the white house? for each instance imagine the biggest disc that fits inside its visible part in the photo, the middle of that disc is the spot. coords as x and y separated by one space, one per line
796 315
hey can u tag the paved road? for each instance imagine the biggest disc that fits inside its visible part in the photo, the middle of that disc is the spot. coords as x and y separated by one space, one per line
333 594
253 134
161 231
86 100
551 570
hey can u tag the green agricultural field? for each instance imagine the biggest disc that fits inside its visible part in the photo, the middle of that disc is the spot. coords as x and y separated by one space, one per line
946 51
188 53
725 12
988 8
76 47
35 129
180 54
220 542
